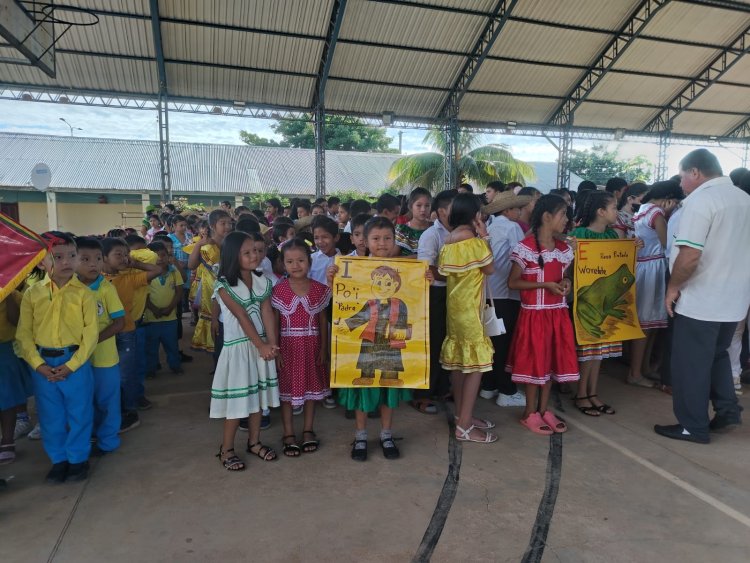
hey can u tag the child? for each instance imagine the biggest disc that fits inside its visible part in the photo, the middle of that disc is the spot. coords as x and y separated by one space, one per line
626 208
380 235
466 351
650 225
598 213
282 232
130 278
160 318
105 361
407 235
14 377
543 346
155 223
326 235
203 257
181 267
358 235
245 380
57 333
300 305
388 206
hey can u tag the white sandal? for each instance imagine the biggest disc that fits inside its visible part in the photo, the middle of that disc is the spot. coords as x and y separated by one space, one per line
486 424
489 437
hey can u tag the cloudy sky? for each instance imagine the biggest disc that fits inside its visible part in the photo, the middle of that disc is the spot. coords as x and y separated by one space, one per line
44 119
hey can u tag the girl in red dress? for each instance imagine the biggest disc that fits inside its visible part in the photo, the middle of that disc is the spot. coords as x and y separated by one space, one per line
543 347
300 305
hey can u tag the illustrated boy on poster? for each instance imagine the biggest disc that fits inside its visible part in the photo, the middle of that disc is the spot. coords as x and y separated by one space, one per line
385 333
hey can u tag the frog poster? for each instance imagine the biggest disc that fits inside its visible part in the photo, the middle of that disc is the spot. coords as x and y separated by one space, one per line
604 291
379 331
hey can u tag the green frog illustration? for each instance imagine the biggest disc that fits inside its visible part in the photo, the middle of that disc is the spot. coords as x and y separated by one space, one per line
602 298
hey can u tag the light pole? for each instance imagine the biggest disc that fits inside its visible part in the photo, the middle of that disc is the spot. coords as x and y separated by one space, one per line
71 127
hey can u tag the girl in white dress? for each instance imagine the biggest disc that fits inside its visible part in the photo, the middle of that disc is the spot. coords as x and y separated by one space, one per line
650 224
245 380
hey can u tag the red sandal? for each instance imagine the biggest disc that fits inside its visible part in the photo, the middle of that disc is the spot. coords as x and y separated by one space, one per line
536 424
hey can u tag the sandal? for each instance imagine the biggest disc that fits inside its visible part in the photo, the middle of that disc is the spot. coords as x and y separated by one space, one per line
640 382
555 423
604 408
7 453
359 454
390 451
465 436
537 424
483 424
290 449
264 452
424 406
232 463
310 446
588 411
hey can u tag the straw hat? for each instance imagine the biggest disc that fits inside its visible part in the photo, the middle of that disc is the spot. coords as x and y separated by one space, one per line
303 223
506 200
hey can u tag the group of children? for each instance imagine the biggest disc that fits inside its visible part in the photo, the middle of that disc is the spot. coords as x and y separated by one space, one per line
92 320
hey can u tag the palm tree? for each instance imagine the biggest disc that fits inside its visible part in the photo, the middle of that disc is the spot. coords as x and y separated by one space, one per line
480 164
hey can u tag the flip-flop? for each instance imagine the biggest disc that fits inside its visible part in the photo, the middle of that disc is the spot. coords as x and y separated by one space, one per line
536 424
555 423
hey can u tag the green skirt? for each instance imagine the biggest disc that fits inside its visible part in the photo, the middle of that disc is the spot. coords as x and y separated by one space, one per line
369 399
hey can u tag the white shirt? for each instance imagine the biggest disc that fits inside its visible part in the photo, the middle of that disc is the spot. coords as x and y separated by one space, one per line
504 236
672 226
430 243
320 263
716 220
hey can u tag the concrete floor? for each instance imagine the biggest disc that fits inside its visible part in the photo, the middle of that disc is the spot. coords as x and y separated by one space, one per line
626 494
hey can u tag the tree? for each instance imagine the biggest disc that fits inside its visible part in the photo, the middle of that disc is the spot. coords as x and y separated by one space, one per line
474 162
599 165
342 133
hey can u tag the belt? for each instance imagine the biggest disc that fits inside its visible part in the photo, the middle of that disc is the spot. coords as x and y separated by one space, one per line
57 352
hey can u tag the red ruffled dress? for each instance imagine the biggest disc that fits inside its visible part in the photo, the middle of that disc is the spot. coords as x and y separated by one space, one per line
300 377
543 345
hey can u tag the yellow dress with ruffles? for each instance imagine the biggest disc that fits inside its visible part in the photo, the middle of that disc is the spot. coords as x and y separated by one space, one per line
466 348
205 277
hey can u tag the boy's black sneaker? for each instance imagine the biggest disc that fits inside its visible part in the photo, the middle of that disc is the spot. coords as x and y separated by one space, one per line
78 471
130 420
144 404
58 472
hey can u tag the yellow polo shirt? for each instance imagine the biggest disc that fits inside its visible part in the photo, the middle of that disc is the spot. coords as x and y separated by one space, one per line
161 291
57 317
132 288
108 308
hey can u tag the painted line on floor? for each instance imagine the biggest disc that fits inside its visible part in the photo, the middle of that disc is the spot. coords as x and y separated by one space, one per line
674 479
445 500
538 540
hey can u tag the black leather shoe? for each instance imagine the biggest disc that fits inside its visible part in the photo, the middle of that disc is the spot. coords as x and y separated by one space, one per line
58 472
674 431
721 424
359 454
390 451
78 471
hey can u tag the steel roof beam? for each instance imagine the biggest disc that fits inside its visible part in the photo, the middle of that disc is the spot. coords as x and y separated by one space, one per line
717 68
723 4
329 48
490 33
633 27
742 131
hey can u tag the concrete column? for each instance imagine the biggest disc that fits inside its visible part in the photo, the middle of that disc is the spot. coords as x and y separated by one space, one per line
239 200
52 211
145 202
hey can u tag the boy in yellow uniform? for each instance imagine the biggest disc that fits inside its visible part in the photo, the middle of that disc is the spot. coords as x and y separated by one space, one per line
105 361
130 278
57 333
160 318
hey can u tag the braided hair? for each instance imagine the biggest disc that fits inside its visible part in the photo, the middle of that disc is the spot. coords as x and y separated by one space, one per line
594 202
551 204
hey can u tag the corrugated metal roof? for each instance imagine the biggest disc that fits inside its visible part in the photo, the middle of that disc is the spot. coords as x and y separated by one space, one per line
429 43
699 123
80 163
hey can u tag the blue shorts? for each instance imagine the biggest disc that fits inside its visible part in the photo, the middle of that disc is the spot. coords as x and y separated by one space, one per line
15 381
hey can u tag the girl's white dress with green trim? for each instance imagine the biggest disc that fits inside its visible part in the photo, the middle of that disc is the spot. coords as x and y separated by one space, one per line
244 383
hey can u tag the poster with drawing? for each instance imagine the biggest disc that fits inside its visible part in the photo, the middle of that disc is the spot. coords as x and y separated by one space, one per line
380 326
604 291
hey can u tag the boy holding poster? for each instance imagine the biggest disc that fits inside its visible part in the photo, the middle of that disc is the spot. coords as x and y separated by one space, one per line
386 330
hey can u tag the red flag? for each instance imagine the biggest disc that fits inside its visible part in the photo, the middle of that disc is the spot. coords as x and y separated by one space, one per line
22 249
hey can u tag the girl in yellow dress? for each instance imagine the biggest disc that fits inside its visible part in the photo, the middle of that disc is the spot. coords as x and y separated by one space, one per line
204 256
466 352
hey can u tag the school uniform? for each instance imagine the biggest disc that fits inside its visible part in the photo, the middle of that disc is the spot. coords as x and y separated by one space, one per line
132 288
15 380
105 363
319 265
58 325
162 330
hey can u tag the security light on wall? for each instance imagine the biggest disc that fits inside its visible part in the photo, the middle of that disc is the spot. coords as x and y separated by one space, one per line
387 118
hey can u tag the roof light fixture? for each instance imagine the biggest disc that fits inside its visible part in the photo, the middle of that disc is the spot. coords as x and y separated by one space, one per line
217 110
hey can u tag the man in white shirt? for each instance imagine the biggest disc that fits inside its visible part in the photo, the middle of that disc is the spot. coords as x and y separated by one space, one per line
708 294
504 234
430 243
